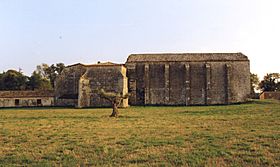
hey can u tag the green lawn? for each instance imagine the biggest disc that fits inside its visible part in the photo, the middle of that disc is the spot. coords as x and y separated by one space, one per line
234 135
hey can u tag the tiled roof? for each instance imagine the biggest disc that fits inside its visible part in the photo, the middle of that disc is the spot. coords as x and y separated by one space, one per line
26 94
185 57
96 65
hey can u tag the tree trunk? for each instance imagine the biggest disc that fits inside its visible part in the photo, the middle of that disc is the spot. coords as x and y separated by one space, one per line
115 112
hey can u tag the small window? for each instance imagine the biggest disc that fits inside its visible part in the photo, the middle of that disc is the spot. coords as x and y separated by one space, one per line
16 102
39 102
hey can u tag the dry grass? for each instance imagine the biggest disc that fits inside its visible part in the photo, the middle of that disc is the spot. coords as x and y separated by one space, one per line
235 135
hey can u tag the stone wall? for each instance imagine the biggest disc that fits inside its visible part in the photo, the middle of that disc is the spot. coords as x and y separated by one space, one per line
190 80
76 85
159 79
270 95
67 85
66 102
177 89
111 78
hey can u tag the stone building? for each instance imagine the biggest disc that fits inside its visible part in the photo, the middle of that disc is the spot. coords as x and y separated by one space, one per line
77 84
159 79
270 95
188 79
26 98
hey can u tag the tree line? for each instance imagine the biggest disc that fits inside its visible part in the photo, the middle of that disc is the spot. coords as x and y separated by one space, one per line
42 78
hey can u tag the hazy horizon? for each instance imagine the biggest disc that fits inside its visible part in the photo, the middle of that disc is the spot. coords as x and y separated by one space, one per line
34 32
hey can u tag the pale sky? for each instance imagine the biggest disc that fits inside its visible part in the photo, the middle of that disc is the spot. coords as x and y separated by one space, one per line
86 31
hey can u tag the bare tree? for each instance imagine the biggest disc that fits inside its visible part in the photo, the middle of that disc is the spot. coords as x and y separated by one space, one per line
114 98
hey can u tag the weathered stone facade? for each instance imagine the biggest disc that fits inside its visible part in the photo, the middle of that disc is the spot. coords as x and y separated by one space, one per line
159 79
188 79
26 98
77 84
270 95
67 85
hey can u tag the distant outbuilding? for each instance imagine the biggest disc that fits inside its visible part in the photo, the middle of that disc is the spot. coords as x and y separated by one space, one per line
270 95
26 98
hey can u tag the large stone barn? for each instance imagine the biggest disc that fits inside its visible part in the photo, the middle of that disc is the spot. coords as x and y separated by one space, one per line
26 98
188 79
77 84
159 79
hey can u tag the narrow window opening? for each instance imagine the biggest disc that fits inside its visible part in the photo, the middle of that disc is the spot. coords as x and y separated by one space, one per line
39 102
16 102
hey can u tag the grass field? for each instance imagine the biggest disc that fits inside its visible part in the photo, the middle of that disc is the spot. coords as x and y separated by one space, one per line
235 135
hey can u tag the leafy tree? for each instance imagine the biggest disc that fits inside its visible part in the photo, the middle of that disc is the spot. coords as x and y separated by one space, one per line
50 72
270 82
254 84
42 78
13 80
114 98
59 67
41 70
37 82
1 81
